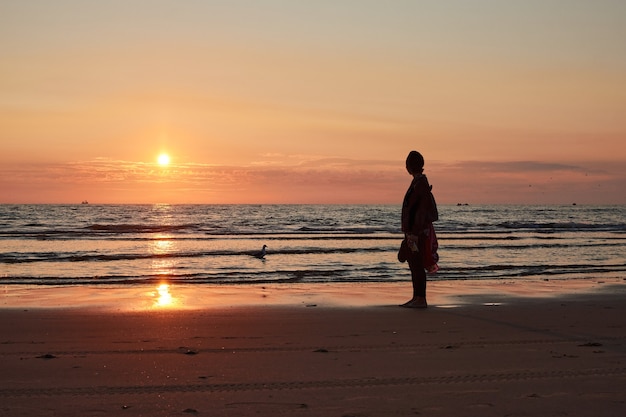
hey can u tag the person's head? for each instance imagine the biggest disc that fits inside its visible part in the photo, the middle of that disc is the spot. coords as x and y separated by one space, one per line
415 163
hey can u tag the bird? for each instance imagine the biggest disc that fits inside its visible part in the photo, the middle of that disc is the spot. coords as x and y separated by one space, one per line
261 254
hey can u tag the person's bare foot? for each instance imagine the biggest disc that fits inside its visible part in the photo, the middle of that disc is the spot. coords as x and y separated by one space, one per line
418 302
407 303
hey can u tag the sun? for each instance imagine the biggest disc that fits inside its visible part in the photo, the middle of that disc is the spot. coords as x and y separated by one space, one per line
163 159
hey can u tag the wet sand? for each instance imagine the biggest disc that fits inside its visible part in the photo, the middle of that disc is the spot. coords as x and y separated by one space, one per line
481 348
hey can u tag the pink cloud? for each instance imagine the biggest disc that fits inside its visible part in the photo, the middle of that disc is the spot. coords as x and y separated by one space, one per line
328 180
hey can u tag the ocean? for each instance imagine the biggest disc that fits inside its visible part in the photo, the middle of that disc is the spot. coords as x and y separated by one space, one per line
121 245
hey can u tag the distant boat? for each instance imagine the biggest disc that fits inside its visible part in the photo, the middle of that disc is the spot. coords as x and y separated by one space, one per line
85 202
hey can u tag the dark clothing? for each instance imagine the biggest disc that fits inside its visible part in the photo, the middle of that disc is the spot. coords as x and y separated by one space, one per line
414 222
414 212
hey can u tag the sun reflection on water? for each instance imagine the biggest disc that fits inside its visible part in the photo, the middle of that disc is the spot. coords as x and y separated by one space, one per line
162 264
163 296
162 245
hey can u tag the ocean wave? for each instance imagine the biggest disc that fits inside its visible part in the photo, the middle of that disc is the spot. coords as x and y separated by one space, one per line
139 228
122 245
553 227
17 258
371 274
151 233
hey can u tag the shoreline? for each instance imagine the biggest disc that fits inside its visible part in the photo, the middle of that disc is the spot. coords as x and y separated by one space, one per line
444 294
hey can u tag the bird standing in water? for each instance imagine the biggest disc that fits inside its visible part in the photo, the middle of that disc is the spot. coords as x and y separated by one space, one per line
261 254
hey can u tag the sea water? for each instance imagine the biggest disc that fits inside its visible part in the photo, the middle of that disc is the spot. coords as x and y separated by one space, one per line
198 244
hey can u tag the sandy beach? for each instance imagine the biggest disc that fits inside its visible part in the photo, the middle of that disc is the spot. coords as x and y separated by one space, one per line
544 348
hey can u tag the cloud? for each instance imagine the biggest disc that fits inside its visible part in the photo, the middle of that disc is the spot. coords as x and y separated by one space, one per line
531 182
310 179
517 166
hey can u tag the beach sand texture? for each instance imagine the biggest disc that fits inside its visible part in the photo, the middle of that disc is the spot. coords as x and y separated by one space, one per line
494 354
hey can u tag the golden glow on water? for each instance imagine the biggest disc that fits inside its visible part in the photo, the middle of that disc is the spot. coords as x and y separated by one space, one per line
163 265
163 297
162 246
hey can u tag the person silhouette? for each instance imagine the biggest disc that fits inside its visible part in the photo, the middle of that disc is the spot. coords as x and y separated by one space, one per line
418 212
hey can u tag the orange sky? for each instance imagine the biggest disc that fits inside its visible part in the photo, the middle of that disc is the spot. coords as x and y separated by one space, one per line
312 102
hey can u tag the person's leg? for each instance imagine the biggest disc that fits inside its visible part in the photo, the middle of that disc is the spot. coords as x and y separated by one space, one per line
418 278
418 275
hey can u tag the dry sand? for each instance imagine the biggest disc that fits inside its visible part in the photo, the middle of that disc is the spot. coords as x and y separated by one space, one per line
545 348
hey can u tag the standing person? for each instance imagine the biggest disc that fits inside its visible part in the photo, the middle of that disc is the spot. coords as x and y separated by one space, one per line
419 246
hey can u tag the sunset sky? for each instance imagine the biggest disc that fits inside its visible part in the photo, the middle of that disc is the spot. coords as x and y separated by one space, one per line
293 101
